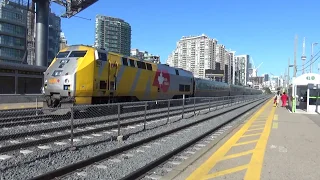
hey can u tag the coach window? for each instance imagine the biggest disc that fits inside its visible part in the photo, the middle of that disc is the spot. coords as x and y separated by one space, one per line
132 63
149 67
187 88
102 56
125 61
141 65
181 87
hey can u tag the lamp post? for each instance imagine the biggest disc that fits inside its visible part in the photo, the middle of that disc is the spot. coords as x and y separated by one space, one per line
312 45
288 78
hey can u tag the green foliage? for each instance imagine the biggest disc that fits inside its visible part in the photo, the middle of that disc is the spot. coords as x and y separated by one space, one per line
267 90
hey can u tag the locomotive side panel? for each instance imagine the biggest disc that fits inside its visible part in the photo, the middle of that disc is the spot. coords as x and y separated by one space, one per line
176 82
85 76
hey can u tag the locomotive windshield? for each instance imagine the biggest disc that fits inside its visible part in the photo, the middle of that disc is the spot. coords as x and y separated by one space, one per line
66 54
63 54
77 54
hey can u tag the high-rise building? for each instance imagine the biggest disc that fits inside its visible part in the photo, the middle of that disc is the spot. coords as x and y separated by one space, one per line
13 27
63 41
137 54
229 66
145 56
195 54
113 34
242 73
266 77
54 36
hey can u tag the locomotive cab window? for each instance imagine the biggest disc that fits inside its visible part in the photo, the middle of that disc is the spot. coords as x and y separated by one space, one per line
132 63
102 56
125 61
78 53
63 54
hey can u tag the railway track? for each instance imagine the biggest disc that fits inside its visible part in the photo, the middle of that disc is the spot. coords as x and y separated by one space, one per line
150 144
63 131
22 117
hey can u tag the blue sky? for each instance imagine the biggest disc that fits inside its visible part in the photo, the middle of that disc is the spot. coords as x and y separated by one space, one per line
263 29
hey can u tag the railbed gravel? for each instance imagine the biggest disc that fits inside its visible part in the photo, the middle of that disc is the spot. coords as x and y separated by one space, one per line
37 136
117 170
63 158
86 120
166 167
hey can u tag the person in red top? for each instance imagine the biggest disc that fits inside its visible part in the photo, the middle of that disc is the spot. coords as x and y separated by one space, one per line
284 99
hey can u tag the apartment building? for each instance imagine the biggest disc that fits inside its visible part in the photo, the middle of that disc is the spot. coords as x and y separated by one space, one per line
13 28
242 69
195 54
145 56
113 34
63 41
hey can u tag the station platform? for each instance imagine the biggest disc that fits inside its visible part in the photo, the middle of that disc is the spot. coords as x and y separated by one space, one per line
273 144
16 106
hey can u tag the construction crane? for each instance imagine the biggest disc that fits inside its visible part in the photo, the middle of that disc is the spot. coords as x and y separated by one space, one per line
254 69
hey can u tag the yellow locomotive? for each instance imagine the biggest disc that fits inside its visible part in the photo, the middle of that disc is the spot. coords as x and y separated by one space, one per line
83 74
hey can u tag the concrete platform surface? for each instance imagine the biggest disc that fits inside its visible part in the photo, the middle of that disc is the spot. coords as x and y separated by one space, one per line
273 144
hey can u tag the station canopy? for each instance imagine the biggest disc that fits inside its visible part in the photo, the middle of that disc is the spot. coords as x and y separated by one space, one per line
305 79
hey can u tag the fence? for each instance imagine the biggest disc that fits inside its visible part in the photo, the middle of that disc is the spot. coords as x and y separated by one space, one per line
10 101
82 125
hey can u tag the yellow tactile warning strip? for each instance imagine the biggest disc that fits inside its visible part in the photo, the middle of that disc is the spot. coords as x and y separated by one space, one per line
258 128
9 106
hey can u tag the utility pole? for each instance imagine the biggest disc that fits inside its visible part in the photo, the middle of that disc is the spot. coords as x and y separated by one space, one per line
311 58
288 78
295 56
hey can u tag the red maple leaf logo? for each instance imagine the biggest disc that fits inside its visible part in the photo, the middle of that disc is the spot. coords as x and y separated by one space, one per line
162 80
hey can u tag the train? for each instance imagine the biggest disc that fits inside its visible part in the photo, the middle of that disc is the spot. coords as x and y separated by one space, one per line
85 75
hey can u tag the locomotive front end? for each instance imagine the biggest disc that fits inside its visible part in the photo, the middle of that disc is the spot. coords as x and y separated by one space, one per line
59 80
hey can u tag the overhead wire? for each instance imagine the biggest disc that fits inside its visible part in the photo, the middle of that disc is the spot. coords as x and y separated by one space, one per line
310 61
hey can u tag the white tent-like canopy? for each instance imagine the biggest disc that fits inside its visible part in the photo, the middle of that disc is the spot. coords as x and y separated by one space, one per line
305 79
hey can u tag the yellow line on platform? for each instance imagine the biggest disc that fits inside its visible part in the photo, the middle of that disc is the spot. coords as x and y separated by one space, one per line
202 171
258 125
246 142
275 125
237 155
255 129
249 135
224 172
255 165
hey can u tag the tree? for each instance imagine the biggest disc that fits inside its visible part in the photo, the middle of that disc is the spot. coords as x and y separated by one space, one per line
267 90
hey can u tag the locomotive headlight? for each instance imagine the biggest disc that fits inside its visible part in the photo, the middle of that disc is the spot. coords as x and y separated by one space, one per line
66 81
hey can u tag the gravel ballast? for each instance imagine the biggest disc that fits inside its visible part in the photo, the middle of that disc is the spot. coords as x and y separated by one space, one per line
133 160
56 160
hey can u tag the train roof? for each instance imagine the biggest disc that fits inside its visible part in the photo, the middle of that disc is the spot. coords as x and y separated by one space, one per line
22 67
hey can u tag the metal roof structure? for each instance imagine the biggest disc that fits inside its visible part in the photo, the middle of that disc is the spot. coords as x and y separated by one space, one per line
22 67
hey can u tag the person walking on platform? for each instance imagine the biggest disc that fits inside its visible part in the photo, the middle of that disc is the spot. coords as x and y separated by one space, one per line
277 98
284 99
